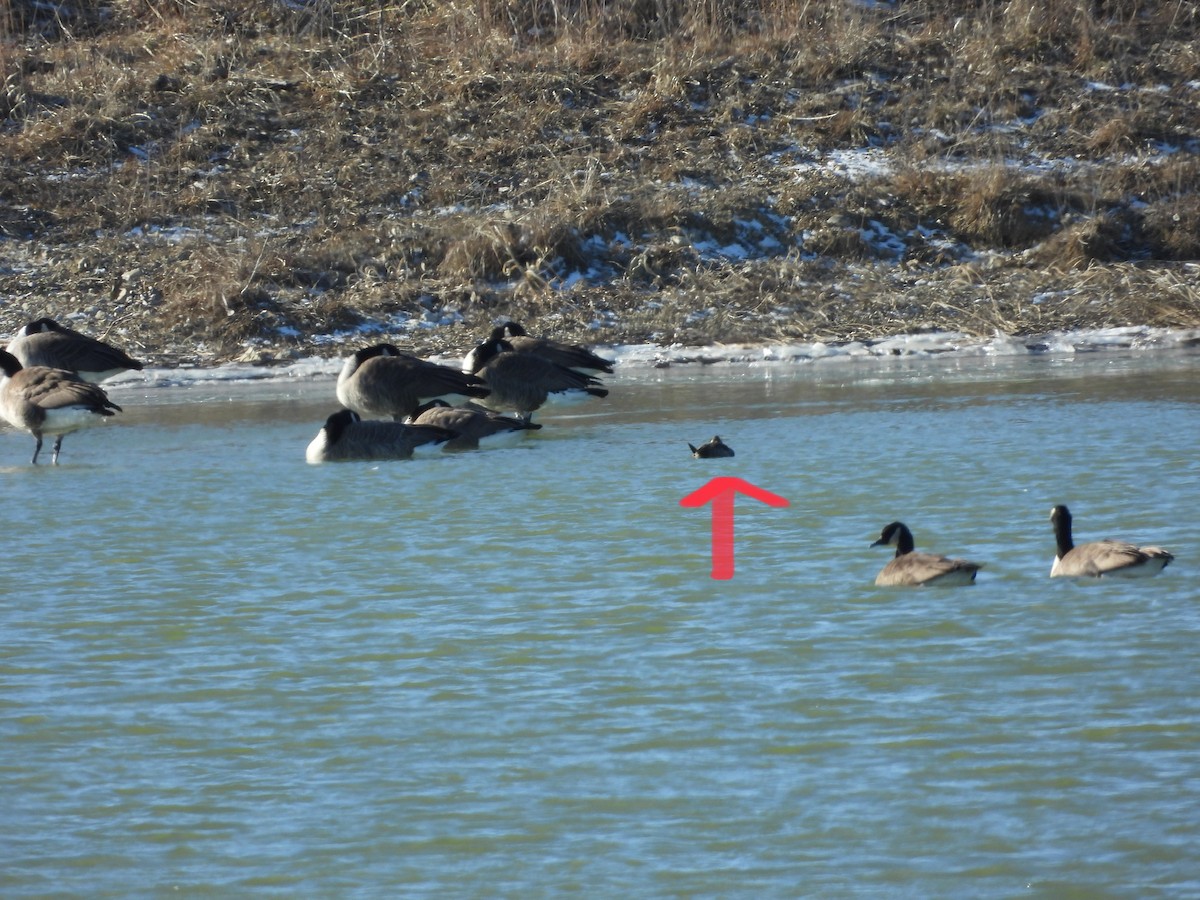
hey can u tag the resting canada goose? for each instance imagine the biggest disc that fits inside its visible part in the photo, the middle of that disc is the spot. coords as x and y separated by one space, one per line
471 425
381 382
713 448
908 568
43 400
572 356
1101 559
521 382
345 436
44 342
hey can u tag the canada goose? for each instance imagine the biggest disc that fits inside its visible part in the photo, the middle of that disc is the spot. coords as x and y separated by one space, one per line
523 381
572 356
471 425
43 342
908 568
381 382
345 436
713 448
1101 559
44 400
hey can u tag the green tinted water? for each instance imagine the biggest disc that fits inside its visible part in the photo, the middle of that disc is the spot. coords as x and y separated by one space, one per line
509 673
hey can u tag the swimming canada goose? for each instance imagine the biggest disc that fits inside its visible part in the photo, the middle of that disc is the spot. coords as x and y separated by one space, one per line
1101 559
380 382
522 382
471 425
43 342
345 436
572 356
713 448
909 568
44 400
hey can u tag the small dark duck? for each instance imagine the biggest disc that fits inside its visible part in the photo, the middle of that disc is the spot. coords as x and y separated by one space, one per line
711 449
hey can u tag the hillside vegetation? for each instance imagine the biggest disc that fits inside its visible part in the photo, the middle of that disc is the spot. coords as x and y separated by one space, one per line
204 180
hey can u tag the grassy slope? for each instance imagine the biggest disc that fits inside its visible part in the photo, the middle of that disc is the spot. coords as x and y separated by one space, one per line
203 177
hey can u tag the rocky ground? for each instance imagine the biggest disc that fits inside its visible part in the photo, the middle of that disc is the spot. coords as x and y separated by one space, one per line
203 182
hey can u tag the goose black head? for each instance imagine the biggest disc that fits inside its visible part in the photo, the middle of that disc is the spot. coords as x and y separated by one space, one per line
435 403
376 350
896 534
40 326
9 364
489 350
339 422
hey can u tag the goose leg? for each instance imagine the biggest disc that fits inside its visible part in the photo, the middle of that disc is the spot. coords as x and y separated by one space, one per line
57 447
37 448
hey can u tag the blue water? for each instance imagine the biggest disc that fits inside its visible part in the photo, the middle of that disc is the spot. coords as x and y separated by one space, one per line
510 674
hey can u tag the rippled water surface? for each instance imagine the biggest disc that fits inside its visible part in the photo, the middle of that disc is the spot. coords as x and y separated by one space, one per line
510 674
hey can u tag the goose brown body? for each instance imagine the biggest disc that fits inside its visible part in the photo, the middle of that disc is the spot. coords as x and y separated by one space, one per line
380 382
469 424
911 569
571 356
522 382
345 436
44 342
1101 559
47 401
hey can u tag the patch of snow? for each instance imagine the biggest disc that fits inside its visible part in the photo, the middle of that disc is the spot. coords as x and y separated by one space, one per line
885 241
172 235
643 357
853 165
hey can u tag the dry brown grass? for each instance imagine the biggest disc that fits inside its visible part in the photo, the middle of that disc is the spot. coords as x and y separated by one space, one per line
271 167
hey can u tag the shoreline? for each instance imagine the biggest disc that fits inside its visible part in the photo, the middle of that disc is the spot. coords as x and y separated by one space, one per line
765 180
645 358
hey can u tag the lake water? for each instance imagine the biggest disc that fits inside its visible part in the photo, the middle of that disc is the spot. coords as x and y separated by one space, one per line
510 674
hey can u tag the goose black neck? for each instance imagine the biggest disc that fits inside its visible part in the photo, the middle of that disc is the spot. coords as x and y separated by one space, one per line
1062 531
9 363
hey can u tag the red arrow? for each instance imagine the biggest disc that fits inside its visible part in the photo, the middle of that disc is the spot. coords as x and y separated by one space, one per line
720 492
